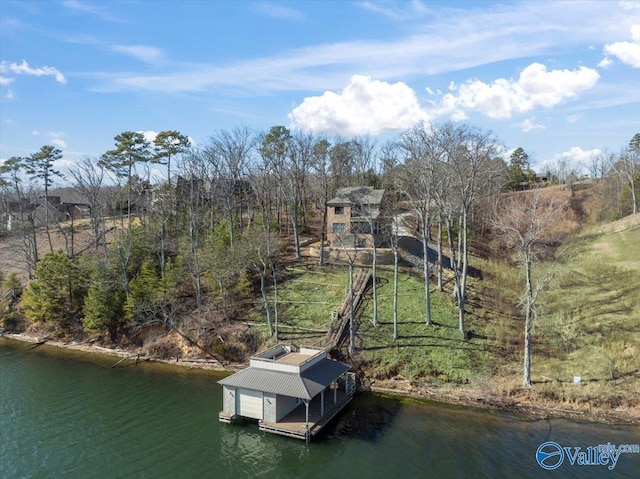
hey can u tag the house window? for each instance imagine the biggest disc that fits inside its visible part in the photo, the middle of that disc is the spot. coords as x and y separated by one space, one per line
361 228
339 210
338 227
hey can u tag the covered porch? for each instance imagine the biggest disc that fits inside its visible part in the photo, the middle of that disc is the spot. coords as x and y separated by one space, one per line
311 416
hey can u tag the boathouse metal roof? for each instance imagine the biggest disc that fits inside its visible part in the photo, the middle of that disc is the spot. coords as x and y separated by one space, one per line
305 385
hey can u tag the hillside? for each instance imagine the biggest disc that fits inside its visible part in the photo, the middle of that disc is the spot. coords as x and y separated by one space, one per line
588 321
588 325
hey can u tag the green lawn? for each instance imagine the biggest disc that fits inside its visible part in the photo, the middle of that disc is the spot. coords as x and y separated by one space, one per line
433 353
307 298
429 353
591 321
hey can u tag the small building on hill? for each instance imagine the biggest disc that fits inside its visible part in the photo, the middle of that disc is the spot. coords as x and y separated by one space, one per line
61 205
292 392
354 217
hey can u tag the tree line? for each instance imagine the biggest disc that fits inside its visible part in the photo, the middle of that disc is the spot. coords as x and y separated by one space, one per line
209 235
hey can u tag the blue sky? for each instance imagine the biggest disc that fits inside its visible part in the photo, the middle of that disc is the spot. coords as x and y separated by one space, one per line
560 79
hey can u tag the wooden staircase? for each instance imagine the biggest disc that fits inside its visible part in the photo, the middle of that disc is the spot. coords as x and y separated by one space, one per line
336 336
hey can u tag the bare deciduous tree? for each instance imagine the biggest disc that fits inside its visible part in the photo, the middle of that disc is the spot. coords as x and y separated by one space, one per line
524 222
470 154
88 181
10 174
423 153
320 167
229 152
628 168
599 165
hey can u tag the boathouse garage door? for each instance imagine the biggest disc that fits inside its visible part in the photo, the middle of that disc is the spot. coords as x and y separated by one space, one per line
250 403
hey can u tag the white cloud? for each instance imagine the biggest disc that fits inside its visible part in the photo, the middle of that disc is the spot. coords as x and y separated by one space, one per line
53 137
59 143
6 80
573 118
536 87
86 8
401 11
10 95
529 124
575 160
627 52
280 12
24 69
141 52
432 45
364 106
605 62
149 135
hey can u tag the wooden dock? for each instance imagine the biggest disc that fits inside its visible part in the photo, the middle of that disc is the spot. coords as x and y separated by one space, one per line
226 417
294 425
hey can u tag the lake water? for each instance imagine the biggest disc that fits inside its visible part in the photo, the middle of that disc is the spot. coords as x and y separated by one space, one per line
69 415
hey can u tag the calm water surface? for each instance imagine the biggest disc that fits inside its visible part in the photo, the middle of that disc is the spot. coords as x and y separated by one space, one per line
65 418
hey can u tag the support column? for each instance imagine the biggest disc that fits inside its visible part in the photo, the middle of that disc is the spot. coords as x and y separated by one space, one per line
322 403
335 392
307 435
306 413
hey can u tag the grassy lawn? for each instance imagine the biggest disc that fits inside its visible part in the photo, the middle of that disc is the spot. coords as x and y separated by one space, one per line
588 320
307 298
429 353
432 353
590 326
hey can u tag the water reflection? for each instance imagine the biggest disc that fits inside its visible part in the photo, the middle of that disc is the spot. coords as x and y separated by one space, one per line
368 420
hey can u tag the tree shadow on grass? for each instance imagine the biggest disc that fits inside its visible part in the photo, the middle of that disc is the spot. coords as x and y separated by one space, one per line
423 345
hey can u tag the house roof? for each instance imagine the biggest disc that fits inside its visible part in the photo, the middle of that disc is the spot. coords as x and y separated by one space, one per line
306 385
362 195
67 195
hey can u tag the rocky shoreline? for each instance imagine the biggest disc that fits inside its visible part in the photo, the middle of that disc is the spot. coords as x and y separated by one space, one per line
459 397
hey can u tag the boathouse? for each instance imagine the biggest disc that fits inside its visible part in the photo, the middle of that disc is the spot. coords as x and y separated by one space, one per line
290 391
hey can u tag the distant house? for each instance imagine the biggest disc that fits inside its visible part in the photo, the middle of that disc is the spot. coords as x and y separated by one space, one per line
541 177
192 189
290 392
61 208
354 217
64 205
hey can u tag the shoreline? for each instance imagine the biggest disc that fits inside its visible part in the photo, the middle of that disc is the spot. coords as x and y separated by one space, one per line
466 399
456 397
118 355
